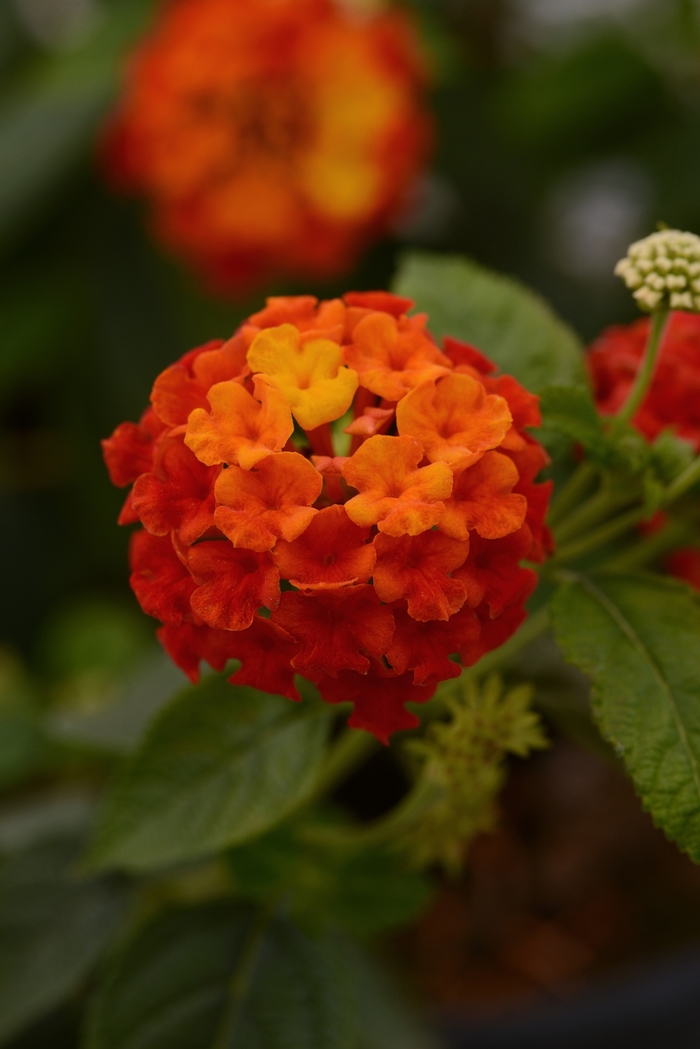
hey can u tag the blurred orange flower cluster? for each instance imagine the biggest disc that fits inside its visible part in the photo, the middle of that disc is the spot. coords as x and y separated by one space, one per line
271 137
364 572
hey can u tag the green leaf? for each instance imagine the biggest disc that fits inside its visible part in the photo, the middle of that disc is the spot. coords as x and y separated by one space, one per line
364 889
570 410
53 929
169 988
638 639
504 319
218 766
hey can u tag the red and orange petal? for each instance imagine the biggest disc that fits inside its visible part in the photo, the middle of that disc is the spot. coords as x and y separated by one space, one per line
455 420
418 569
425 648
271 137
231 584
128 453
240 428
336 629
332 552
188 644
494 633
394 494
273 501
266 652
492 574
161 582
380 696
483 500
178 495
464 355
183 386
673 399
325 319
391 357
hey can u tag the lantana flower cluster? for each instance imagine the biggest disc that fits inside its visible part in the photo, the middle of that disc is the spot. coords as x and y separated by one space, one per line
330 494
671 403
275 136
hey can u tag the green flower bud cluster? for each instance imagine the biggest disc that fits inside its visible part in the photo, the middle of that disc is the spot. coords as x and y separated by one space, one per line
663 270
465 757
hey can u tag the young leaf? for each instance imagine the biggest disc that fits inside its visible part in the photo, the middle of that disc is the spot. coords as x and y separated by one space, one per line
171 986
53 928
638 638
218 766
498 315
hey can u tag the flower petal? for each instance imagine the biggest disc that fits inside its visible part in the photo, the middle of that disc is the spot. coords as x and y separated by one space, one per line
336 629
418 568
178 495
425 648
331 552
240 429
273 501
161 582
232 584
308 373
391 359
266 652
455 420
395 495
482 499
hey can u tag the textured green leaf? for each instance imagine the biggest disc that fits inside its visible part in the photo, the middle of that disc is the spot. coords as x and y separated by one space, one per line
169 988
504 319
638 639
218 766
53 928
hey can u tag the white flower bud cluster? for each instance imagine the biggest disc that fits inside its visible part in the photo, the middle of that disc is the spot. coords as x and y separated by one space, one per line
664 270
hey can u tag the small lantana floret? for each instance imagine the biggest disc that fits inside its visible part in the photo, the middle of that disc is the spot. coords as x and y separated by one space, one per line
371 573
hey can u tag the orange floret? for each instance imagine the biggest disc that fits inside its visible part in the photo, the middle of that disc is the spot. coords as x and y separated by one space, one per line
332 552
309 373
231 584
455 420
482 499
183 386
325 319
392 356
240 428
258 507
394 494
336 629
418 569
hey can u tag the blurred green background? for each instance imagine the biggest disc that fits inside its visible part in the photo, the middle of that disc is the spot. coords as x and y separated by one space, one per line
566 128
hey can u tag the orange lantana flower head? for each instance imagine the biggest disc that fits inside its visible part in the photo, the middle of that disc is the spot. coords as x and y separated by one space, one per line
297 519
271 136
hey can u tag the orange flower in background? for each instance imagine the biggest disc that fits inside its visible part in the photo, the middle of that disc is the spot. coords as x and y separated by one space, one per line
349 558
278 136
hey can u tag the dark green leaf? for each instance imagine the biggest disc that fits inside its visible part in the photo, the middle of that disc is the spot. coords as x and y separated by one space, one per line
53 929
365 889
219 765
638 639
170 988
570 410
508 322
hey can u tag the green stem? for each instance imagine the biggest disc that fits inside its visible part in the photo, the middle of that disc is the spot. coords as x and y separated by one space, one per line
571 493
241 979
686 480
646 372
593 512
591 541
649 549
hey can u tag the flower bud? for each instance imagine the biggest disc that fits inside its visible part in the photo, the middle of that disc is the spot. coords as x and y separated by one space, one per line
661 271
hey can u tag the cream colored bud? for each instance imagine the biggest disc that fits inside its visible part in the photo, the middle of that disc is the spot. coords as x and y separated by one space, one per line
662 270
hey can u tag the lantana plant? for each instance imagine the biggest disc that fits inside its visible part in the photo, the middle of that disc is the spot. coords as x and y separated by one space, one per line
343 515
